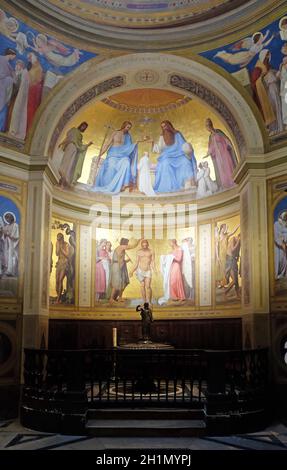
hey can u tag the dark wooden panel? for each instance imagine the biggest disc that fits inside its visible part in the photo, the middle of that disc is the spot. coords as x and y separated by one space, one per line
192 334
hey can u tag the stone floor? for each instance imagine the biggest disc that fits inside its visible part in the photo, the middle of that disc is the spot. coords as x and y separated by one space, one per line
14 437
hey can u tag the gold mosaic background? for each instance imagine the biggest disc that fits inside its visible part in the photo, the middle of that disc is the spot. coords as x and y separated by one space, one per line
188 118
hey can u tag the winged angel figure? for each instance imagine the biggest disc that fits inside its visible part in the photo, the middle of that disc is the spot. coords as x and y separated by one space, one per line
245 49
54 51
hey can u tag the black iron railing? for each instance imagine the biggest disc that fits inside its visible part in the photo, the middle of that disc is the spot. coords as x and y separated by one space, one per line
233 380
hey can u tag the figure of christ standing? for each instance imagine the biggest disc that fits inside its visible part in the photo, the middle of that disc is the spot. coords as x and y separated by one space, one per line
144 266
119 271
62 265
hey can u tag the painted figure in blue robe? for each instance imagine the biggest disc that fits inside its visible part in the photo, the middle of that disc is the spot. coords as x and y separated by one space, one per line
119 169
7 79
176 167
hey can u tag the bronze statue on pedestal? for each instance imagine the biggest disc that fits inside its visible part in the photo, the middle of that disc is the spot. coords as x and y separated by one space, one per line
146 315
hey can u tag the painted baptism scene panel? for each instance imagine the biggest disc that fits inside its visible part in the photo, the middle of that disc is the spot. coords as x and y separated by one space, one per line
146 142
227 273
129 271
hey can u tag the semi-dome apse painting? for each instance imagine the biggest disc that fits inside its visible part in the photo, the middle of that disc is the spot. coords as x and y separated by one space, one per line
146 142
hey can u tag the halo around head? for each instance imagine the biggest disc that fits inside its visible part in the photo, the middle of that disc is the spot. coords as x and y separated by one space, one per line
281 21
256 34
7 213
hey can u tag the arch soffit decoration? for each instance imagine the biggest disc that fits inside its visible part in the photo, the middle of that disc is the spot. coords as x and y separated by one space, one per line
194 77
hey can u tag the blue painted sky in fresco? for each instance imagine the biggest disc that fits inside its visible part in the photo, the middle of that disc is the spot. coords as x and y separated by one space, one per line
6 205
46 65
280 207
275 48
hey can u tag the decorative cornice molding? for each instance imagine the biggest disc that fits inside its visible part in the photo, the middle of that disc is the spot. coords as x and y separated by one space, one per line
264 165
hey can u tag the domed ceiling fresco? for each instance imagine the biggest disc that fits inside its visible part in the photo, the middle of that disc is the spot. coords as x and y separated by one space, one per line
144 13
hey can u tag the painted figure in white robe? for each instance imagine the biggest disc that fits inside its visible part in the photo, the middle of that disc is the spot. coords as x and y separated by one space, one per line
188 266
165 268
144 176
18 124
252 45
210 184
265 84
282 74
202 189
11 244
55 52
280 240
283 28
74 155
8 26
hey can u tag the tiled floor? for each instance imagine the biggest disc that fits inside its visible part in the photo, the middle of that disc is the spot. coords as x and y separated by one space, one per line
14 437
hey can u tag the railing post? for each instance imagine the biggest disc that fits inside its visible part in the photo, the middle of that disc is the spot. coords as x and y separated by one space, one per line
75 376
216 397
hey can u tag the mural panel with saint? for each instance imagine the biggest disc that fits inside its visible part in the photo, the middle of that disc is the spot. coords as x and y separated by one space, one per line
280 247
228 260
62 263
9 247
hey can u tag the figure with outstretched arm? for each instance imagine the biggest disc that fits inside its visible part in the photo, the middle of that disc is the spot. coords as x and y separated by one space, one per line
222 238
62 251
147 319
74 155
119 169
119 272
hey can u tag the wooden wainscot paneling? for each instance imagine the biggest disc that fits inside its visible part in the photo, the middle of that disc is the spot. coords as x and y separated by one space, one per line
196 334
